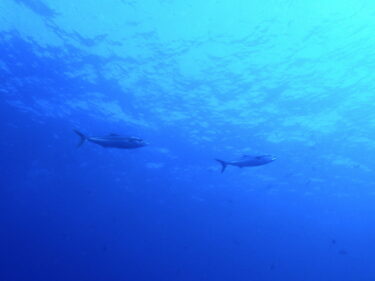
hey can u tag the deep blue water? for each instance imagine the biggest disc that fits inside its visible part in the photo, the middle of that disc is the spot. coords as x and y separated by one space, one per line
198 80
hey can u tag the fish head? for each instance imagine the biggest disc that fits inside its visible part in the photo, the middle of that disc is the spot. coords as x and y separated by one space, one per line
140 142
144 143
264 159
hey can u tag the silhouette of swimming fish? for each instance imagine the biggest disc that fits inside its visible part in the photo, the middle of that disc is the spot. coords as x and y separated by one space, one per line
112 140
247 161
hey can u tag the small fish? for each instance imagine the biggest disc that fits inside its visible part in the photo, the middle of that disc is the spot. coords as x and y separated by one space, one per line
343 252
112 140
247 161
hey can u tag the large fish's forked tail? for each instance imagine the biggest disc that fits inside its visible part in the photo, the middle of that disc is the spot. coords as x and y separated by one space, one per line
223 164
82 136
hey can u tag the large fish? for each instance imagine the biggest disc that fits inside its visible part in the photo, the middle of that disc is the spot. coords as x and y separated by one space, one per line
247 161
112 140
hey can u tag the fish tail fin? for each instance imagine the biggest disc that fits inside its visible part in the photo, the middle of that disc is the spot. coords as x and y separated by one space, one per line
82 136
223 164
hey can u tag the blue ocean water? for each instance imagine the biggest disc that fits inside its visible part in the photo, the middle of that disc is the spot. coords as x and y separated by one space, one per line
198 80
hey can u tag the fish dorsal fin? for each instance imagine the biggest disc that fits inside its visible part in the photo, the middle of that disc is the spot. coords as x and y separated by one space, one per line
114 135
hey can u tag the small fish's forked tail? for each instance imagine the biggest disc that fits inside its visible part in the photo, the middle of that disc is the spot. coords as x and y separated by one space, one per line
223 164
82 136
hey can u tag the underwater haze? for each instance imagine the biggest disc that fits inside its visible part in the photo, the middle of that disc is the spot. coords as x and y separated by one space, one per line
194 81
